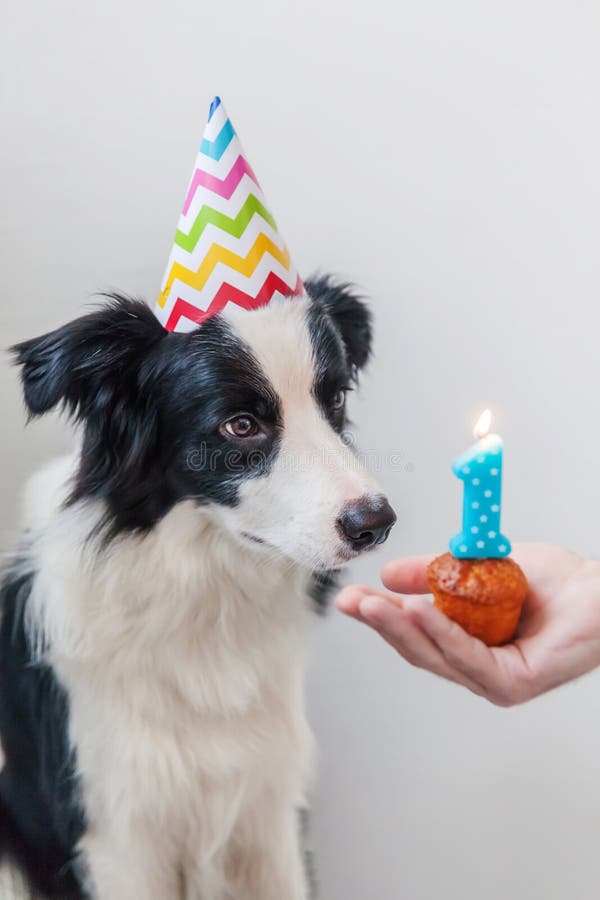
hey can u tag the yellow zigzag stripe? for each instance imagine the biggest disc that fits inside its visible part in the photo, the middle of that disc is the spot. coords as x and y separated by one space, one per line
246 265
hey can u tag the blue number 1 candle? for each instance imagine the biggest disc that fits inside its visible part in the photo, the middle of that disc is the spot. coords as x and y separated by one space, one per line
480 469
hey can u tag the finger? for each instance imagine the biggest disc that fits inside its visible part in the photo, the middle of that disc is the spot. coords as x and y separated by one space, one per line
407 576
395 625
348 600
468 655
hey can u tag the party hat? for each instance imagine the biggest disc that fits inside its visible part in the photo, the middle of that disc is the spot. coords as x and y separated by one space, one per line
227 247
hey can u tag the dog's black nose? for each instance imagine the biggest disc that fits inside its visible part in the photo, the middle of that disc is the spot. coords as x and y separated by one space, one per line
366 522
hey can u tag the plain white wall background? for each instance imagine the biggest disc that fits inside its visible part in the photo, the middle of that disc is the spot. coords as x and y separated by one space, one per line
445 157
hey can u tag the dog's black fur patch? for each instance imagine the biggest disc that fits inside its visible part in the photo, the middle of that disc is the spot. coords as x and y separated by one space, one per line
322 585
151 403
40 818
349 314
340 331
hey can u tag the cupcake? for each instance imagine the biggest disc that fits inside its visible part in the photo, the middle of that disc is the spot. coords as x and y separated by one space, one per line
484 596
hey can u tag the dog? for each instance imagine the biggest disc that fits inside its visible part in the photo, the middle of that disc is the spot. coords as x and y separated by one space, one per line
156 617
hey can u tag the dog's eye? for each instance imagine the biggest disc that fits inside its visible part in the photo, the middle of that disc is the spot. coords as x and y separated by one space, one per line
241 427
339 398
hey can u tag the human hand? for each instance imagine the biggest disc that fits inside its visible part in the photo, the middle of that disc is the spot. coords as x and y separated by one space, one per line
558 638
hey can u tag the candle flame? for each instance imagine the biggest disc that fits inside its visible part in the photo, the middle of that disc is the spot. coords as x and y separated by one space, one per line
482 426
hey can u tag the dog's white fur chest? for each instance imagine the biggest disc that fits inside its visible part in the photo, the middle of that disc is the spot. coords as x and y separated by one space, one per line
183 655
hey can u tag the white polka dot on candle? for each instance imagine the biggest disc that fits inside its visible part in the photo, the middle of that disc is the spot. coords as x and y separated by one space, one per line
481 544
495 507
483 518
466 470
475 481
463 548
491 534
474 529
475 504
487 493
493 471
502 548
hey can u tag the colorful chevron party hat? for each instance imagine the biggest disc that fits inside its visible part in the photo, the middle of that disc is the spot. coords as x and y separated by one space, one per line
227 247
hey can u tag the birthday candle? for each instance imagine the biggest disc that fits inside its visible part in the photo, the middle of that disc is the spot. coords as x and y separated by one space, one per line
480 470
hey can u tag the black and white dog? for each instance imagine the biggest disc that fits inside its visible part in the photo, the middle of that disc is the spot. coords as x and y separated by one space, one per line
155 622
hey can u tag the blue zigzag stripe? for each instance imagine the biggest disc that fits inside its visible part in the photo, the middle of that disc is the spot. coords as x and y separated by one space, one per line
215 149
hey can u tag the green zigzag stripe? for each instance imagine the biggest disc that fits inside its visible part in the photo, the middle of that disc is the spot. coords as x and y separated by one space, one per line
234 227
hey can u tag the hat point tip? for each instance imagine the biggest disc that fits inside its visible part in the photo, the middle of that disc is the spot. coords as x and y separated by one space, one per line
216 102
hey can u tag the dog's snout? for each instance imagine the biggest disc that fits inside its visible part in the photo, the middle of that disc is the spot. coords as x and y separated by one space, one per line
366 522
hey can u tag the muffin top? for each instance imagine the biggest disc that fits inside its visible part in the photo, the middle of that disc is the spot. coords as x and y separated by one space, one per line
487 581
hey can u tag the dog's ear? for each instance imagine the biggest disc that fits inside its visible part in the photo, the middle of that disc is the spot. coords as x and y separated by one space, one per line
85 363
103 370
350 314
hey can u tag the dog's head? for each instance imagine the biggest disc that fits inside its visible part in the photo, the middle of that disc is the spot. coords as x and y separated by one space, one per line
244 416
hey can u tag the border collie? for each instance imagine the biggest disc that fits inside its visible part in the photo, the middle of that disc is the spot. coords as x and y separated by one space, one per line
156 617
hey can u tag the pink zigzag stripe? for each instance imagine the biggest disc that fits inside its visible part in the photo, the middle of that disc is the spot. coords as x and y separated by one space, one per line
223 187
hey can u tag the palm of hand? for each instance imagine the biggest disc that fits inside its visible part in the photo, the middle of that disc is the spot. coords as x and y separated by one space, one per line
559 634
558 637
